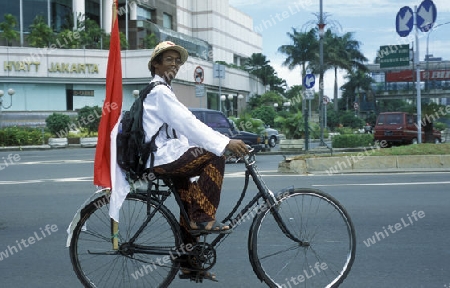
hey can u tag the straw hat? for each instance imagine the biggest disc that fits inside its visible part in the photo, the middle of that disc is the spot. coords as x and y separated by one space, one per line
168 45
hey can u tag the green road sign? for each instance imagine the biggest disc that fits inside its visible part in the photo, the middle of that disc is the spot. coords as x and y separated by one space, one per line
394 56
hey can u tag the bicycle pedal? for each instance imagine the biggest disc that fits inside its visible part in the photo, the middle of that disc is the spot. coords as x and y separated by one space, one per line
192 276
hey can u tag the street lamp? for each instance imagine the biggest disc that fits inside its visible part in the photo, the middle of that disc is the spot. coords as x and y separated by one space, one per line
321 34
224 108
11 92
427 54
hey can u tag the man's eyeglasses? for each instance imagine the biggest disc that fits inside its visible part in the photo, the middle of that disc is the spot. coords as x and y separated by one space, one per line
170 60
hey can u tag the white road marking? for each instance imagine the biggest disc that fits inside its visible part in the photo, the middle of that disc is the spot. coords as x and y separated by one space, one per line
55 180
382 184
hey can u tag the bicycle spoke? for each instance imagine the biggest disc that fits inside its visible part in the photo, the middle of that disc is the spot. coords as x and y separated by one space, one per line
98 265
321 223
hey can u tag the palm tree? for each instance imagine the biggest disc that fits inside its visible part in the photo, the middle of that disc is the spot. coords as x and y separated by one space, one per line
259 66
341 52
302 50
357 80
345 54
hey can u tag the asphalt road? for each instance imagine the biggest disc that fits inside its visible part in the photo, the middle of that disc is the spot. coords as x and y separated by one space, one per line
41 190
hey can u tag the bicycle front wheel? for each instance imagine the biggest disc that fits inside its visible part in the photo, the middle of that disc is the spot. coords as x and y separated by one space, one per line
315 247
98 265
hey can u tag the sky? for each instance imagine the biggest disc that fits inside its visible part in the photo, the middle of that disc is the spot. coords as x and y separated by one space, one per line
372 23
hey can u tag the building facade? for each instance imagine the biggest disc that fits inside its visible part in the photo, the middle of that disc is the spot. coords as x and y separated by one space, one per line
57 79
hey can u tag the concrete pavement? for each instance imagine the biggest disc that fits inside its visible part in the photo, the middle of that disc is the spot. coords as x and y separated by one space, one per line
329 163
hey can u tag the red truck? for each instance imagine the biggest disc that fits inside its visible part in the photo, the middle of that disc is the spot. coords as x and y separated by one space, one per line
397 128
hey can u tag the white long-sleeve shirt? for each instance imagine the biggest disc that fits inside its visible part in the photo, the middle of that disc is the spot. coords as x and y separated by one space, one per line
161 106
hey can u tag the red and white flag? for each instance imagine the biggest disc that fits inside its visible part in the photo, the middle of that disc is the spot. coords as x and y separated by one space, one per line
112 107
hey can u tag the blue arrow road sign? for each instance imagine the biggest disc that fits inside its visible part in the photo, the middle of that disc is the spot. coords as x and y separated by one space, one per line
426 15
404 21
309 80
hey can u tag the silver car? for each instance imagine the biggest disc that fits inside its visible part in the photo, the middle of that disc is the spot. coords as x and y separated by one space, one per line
272 136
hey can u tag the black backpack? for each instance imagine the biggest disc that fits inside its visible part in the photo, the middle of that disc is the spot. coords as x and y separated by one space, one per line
132 150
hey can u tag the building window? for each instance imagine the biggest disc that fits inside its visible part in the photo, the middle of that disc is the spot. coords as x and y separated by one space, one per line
167 21
61 16
32 8
144 13
92 10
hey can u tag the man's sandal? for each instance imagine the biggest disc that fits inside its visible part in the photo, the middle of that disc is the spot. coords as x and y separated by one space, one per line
214 228
197 276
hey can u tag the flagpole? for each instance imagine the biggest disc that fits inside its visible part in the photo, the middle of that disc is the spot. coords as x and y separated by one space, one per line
104 169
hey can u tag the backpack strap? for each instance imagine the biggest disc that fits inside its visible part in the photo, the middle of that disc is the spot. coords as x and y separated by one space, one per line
149 148
144 92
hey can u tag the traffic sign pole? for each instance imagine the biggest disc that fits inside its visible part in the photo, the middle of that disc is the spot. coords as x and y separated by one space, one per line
419 97
423 18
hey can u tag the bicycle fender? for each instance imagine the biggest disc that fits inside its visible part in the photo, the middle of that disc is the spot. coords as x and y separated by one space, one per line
76 218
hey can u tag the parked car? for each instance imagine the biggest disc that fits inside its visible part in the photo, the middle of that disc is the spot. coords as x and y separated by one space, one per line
219 122
272 136
401 128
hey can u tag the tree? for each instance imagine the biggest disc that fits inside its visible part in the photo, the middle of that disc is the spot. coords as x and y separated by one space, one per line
150 41
302 50
343 53
293 125
357 80
7 27
90 34
348 119
40 33
68 39
58 124
259 66
266 113
88 117
123 41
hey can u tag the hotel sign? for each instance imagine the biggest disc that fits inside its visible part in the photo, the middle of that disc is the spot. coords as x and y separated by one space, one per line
54 67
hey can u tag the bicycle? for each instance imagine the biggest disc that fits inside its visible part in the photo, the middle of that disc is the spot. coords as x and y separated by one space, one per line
298 234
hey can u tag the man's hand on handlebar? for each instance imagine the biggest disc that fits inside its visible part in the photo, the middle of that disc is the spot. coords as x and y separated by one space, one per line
237 147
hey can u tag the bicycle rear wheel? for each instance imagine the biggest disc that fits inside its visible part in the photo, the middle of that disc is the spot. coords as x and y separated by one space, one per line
317 219
98 265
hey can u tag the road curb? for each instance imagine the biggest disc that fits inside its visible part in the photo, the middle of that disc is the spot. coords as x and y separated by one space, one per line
368 164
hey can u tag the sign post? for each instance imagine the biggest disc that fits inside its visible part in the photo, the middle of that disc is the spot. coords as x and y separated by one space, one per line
326 100
219 72
423 18
308 82
199 76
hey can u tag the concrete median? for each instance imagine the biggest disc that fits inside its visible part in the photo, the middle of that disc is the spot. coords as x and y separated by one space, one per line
354 164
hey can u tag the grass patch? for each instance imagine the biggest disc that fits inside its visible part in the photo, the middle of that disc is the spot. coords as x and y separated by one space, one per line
417 149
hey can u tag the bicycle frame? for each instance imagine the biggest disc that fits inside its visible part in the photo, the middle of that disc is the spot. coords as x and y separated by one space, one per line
264 194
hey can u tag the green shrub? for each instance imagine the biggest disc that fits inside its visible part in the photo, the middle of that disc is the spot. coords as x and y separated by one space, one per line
58 124
344 130
20 136
314 131
352 140
348 119
266 113
249 124
89 118
439 126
